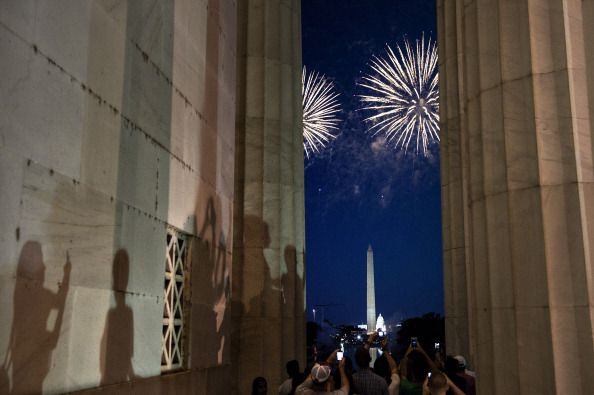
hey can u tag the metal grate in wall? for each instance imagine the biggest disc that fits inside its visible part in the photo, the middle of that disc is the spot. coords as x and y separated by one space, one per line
173 313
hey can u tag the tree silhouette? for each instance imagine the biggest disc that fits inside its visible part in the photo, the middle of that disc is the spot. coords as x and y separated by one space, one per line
428 329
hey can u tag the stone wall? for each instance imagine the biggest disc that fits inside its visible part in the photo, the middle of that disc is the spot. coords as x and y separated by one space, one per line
517 111
269 243
116 123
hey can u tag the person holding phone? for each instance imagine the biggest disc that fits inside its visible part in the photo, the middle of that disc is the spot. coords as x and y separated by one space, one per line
348 370
386 367
394 384
414 368
318 384
365 381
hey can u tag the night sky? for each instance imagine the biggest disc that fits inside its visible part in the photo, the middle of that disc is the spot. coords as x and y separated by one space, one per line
360 191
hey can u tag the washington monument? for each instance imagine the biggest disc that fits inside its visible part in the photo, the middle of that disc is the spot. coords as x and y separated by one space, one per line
371 317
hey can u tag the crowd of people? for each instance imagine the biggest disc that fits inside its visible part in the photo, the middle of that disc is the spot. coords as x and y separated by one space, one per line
416 374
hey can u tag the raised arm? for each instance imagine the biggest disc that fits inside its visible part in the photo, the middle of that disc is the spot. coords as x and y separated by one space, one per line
453 387
370 340
403 362
332 357
430 362
394 386
344 380
60 298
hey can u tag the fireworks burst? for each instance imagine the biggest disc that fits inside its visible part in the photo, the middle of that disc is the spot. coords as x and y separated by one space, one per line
320 106
404 95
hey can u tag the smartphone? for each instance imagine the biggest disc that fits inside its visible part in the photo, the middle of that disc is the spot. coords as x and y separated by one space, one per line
436 346
339 355
429 375
413 342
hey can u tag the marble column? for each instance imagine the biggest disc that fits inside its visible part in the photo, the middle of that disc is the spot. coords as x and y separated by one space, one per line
268 260
517 101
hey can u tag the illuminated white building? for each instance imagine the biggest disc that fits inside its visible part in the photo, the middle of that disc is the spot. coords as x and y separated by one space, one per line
380 325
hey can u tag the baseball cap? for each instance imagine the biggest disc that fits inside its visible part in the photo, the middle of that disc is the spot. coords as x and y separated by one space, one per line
320 373
461 361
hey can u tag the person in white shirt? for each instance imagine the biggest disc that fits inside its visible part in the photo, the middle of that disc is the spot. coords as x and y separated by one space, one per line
295 378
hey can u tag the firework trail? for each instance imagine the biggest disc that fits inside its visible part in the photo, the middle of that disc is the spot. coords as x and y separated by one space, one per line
320 106
404 95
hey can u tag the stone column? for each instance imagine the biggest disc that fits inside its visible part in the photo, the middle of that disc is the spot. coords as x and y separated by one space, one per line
268 265
517 101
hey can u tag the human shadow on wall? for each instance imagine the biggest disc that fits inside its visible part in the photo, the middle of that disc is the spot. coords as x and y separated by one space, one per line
36 323
144 154
211 290
257 239
258 296
211 278
117 342
292 284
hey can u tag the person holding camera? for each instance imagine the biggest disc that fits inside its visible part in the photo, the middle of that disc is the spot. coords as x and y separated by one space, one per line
365 381
317 382
414 368
385 366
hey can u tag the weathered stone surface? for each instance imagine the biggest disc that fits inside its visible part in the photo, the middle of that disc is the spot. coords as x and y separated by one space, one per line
33 120
117 122
12 168
268 269
516 175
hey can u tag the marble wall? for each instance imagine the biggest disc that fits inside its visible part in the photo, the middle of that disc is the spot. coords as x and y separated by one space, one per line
117 122
268 262
517 110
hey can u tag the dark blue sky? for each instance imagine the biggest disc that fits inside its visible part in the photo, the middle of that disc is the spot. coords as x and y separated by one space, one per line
358 192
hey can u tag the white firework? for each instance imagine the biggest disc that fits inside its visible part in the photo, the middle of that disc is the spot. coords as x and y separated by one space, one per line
320 106
404 96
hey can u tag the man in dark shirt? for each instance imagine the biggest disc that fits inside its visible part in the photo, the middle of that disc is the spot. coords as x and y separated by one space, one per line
461 371
365 382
